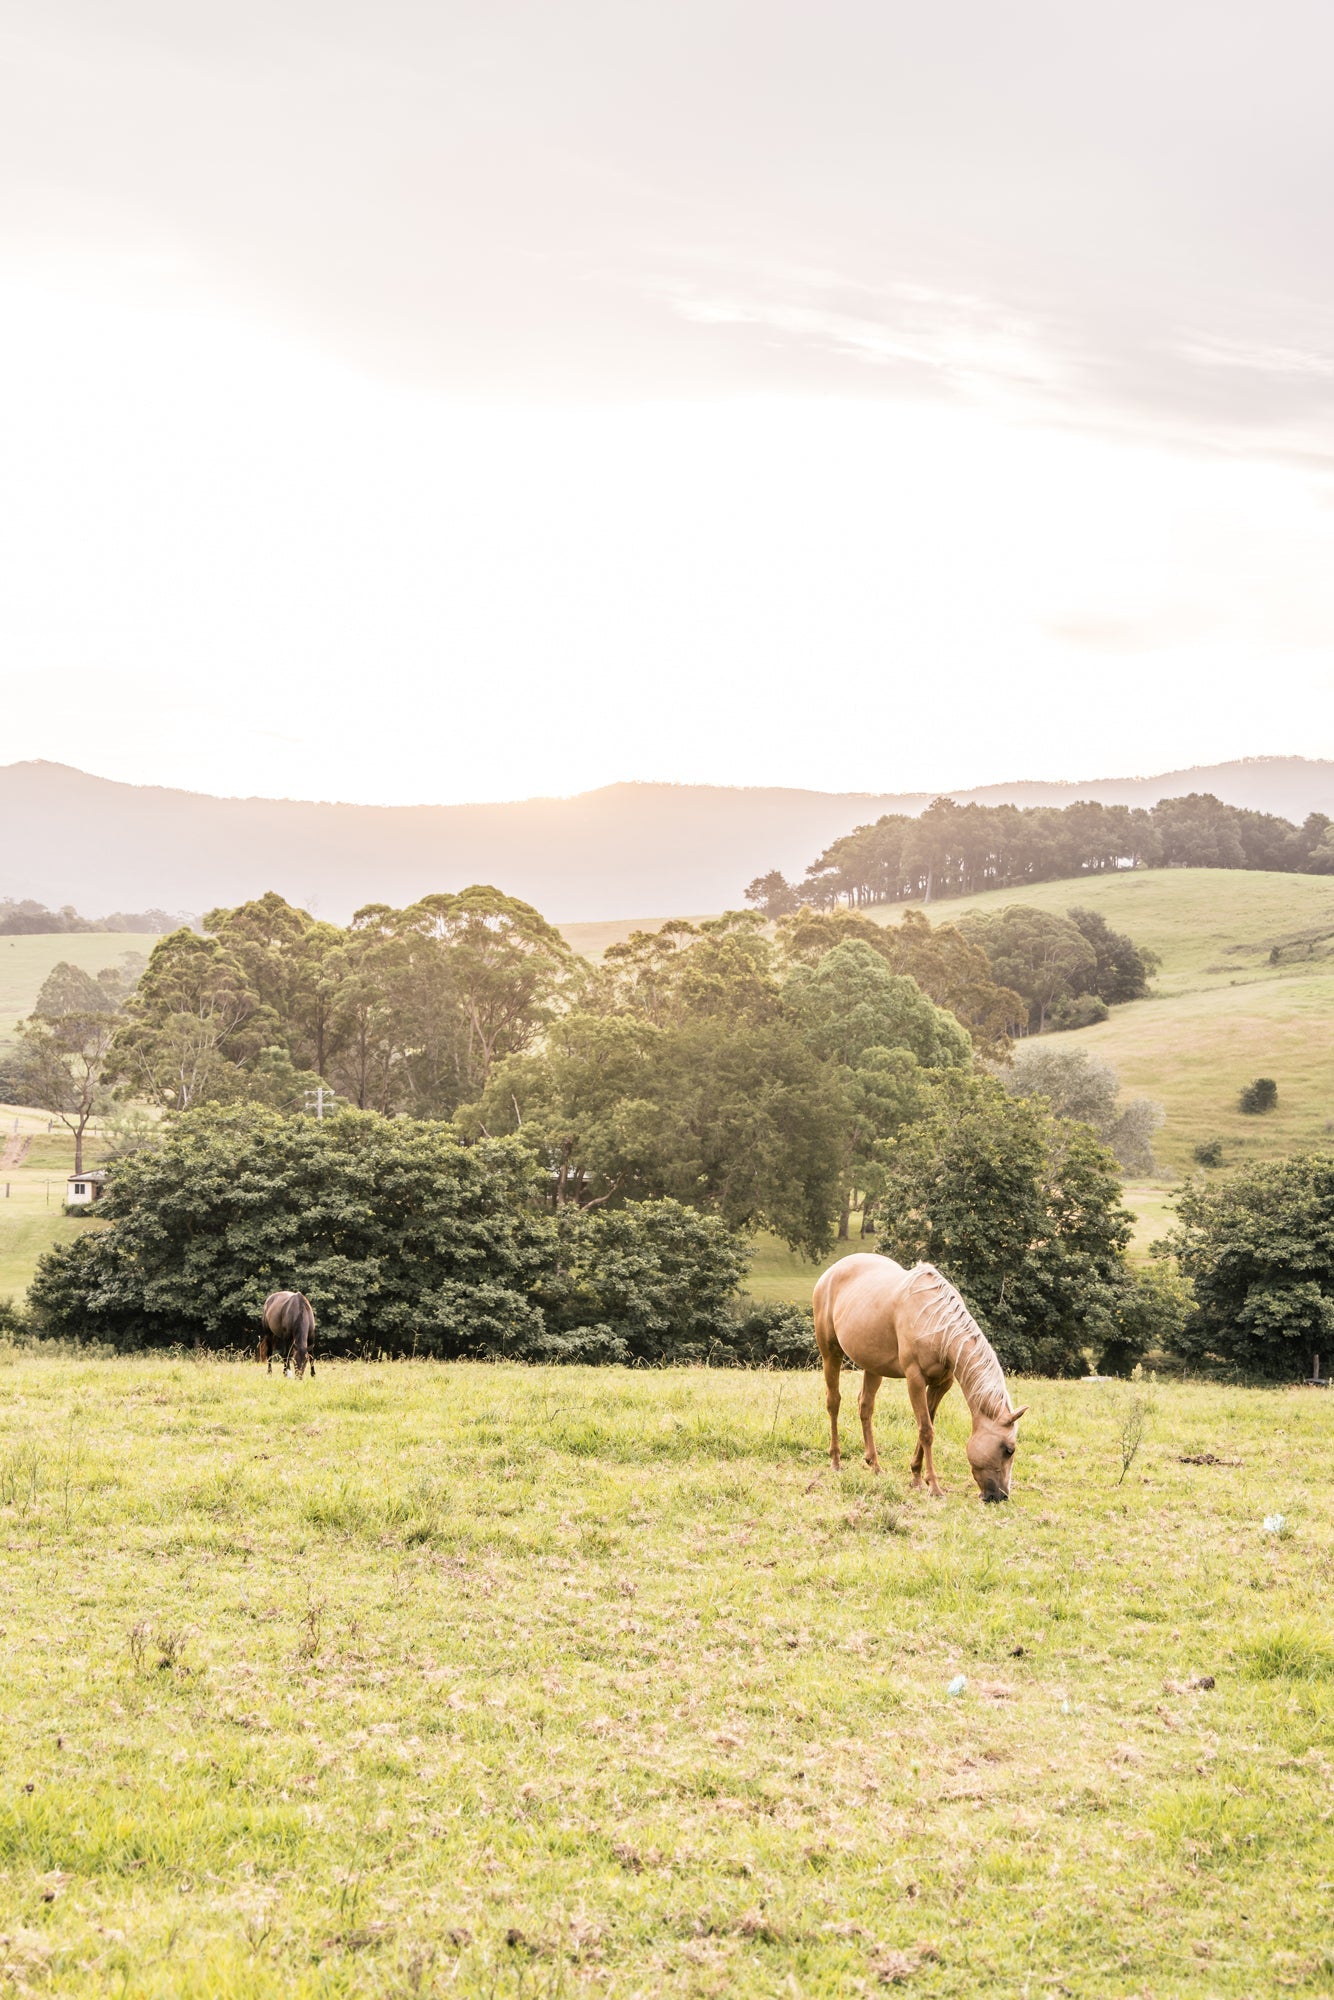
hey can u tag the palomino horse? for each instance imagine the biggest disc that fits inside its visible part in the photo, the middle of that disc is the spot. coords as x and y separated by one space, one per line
913 1324
288 1317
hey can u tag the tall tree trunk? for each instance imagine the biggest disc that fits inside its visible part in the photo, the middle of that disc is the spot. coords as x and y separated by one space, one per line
845 1217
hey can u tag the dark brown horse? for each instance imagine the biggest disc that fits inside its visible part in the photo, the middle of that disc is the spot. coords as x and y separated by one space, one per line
288 1318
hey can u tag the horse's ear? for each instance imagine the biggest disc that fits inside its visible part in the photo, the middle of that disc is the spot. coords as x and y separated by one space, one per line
1015 1415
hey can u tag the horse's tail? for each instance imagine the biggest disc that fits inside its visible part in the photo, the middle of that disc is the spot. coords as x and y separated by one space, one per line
822 1312
300 1323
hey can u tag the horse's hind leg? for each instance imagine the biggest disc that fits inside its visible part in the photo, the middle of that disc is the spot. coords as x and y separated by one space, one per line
866 1410
832 1357
264 1352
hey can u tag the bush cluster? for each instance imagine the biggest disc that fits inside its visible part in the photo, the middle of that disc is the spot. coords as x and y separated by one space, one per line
1258 1248
405 1242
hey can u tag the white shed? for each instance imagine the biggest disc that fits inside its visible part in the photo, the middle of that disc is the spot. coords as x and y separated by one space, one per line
82 1190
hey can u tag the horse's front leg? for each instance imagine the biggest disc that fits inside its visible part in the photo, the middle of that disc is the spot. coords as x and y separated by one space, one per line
919 1397
287 1358
866 1410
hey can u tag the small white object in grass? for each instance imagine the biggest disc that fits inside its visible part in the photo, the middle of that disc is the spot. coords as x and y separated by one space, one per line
1275 1524
958 1684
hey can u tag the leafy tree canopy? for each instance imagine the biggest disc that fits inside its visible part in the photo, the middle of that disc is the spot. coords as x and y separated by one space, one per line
62 1056
954 850
403 1010
1043 957
950 968
849 1002
1258 1248
1078 1085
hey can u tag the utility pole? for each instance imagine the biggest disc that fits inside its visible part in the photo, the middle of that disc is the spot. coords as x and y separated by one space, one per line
317 1099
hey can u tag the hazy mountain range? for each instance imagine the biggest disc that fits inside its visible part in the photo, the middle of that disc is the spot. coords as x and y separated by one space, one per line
624 850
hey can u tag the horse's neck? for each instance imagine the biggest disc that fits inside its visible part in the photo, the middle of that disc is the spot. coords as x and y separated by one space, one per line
980 1378
971 1356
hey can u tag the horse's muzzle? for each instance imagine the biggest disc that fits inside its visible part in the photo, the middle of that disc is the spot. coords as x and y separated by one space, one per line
990 1499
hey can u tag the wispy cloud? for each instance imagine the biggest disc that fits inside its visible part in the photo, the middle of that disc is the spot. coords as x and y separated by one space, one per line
970 344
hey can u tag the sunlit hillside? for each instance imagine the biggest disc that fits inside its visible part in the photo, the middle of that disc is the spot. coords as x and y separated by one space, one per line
25 962
1221 1012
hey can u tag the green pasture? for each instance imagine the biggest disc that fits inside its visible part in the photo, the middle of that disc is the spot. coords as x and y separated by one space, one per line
1205 922
1221 1014
35 1165
25 962
423 1680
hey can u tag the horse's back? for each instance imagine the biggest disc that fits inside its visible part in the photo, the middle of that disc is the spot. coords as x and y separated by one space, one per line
856 1301
284 1311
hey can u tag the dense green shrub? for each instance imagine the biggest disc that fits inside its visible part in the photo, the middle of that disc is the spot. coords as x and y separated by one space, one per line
1259 1096
404 1240
14 1322
655 1281
1080 1010
1150 1314
778 1336
1258 1248
1209 1153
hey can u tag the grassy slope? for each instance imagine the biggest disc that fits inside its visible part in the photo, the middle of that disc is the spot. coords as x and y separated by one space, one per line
497 1682
32 1214
25 962
1221 1014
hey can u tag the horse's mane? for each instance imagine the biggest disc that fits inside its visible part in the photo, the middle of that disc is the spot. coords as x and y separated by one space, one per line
942 1313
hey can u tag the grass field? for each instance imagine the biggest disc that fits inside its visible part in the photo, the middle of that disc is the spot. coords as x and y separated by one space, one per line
35 1165
1221 1014
25 962
496 1682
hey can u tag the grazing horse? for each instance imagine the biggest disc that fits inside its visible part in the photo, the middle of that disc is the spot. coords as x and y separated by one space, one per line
288 1317
913 1324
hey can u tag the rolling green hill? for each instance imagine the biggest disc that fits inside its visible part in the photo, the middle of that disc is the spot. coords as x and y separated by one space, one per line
1221 1013
25 962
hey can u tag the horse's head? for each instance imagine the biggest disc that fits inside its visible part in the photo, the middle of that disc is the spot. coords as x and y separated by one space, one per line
991 1452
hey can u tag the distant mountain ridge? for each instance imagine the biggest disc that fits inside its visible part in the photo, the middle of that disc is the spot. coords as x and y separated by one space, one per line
625 850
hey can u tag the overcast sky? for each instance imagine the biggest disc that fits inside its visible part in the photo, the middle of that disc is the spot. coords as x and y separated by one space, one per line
456 401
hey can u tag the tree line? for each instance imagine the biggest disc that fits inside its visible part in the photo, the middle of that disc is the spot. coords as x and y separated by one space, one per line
759 1077
706 1073
23 917
961 850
